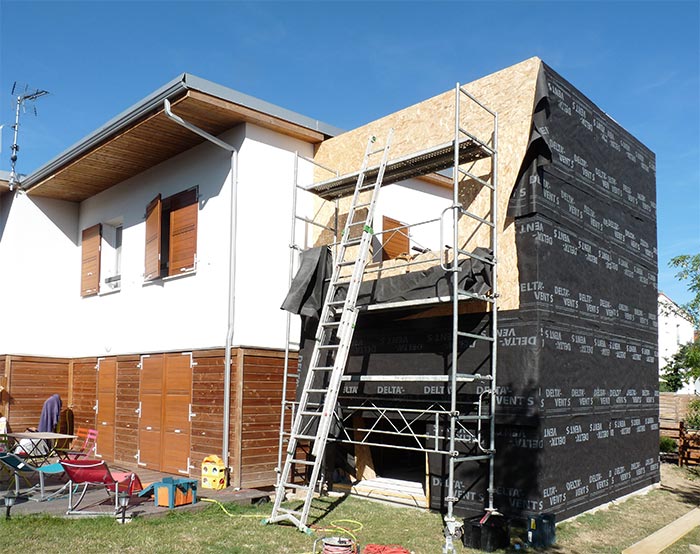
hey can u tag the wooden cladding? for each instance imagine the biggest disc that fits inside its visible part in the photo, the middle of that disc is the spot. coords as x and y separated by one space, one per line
396 242
30 382
165 410
90 261
153 239
171 235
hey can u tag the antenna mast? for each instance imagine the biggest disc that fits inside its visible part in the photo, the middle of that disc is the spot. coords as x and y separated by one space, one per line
23 98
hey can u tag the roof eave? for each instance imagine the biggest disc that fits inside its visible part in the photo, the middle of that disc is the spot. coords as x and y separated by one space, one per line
170 91
123 120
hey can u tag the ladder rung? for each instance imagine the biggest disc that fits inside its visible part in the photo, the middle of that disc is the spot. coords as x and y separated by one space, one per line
336 303
468 377
352 242
363 205
328 346
475 178
462 292
317 391
304 437
479 142
472 458
330 324
322 368
296 486
367 187
477 257
306 413
346 263
290 512
302 462
478 218
473 336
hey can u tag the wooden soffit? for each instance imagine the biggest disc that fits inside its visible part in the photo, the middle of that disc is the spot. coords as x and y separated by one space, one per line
152 140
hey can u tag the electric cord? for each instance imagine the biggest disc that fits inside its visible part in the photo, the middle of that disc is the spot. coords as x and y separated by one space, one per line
229 514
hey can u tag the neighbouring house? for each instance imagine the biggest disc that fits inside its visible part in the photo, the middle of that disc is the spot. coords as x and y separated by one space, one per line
675 329
147 265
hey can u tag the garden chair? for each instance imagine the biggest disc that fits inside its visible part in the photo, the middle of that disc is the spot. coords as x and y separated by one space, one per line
21 469
96 473
83 445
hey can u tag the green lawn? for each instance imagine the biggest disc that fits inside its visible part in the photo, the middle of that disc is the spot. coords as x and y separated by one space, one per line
211 530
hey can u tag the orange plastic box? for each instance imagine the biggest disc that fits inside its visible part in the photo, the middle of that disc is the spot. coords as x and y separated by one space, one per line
175 492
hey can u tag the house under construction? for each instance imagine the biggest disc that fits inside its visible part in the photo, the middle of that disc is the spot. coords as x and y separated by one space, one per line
475 277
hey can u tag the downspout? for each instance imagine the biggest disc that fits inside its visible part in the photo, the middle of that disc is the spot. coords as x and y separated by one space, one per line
233 219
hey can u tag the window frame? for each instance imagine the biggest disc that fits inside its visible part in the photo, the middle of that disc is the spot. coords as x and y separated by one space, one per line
171 235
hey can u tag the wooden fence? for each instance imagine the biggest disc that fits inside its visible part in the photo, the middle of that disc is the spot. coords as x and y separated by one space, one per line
673 409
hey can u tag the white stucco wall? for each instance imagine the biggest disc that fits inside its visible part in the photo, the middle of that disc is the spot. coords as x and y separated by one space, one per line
179 313
266 180
38 251
412 202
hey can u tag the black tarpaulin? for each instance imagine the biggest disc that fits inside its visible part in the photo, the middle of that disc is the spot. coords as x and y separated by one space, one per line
305 296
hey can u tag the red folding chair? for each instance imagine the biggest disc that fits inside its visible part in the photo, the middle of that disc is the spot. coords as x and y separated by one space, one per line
83 445
96 473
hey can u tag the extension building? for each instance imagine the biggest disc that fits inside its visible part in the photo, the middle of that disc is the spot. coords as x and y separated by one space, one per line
145 252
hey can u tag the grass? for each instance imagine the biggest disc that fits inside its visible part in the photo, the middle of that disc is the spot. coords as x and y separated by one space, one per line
213 531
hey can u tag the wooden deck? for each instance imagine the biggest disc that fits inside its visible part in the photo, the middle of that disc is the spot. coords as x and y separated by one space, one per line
96 500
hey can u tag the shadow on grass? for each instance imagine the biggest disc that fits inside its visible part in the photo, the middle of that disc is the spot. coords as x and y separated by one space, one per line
321 508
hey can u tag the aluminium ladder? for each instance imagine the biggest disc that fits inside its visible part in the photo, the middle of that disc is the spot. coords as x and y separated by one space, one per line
317 405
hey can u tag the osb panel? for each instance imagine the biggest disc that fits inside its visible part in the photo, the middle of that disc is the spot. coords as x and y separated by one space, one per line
84 392
510 93
32 381
126 416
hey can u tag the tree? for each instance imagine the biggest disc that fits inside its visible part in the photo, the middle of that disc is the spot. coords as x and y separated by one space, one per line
684 367
689 267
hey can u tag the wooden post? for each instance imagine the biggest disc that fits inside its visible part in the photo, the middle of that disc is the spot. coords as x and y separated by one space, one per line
237 427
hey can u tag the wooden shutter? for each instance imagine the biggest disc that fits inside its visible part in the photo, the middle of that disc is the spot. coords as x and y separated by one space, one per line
106 407
183 232
151 415
177 395
153 238
395 242
90 266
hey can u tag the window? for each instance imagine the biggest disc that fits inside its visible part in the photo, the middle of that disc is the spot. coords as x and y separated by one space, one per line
90 261
171 235
111 256
396 242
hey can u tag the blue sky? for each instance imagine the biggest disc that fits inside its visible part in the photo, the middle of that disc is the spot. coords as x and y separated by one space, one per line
347 63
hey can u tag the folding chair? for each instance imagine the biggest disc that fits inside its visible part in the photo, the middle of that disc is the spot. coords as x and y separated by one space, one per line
96 473
83 445
21 468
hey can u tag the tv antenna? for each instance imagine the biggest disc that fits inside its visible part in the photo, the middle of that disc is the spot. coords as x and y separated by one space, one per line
26 96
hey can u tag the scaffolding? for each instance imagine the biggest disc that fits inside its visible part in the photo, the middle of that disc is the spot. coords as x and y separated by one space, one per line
459 434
